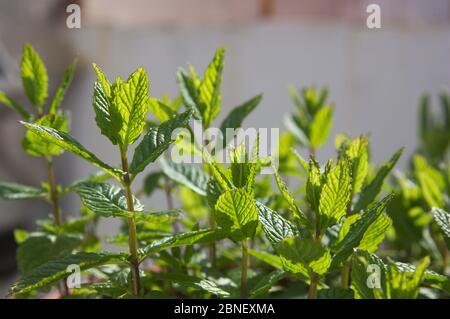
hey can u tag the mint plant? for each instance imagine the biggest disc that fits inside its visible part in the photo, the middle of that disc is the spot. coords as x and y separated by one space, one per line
35 85
342 228
312 122
120 110
434 131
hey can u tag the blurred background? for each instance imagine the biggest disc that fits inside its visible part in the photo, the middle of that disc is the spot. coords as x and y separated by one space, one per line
375 76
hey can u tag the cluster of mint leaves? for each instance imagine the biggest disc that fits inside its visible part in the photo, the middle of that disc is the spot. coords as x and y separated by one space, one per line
234 235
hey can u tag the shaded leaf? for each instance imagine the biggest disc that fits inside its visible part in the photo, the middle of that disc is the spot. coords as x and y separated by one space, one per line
368 275
267 282
188 90
151 182
156 141
290 200
275 226
371 190
304 257
269 259
442 218
107 115
54 270
335 293
202 236
189 175
38 249
357 231
18 191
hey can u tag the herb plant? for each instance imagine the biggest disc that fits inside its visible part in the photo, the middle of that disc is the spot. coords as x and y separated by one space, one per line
343 228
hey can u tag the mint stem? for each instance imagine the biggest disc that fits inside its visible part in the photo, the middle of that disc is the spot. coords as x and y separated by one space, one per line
132 237
244 270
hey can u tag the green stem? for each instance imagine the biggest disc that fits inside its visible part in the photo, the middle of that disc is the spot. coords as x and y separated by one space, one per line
346 270
54 198
244 270
132 238
56 209
312 151
345 275
212 245
315 278
442 248
312 293
169 201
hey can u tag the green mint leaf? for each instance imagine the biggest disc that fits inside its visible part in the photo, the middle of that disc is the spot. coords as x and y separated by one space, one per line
430 277
267 282
237 115
371 190
335 293
368 275
156 141
303 257
189 91
268 259
35 145
18 191
209 89
202 236
40 248
189 175
358 154
131 100
442 218
403 284
236 210
290 200
34 77
63 87
276 227
106 199
152 182
358 229
321 126
15 106
107 115
160 110
70 144
313 185
373 236
335 195
52 271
